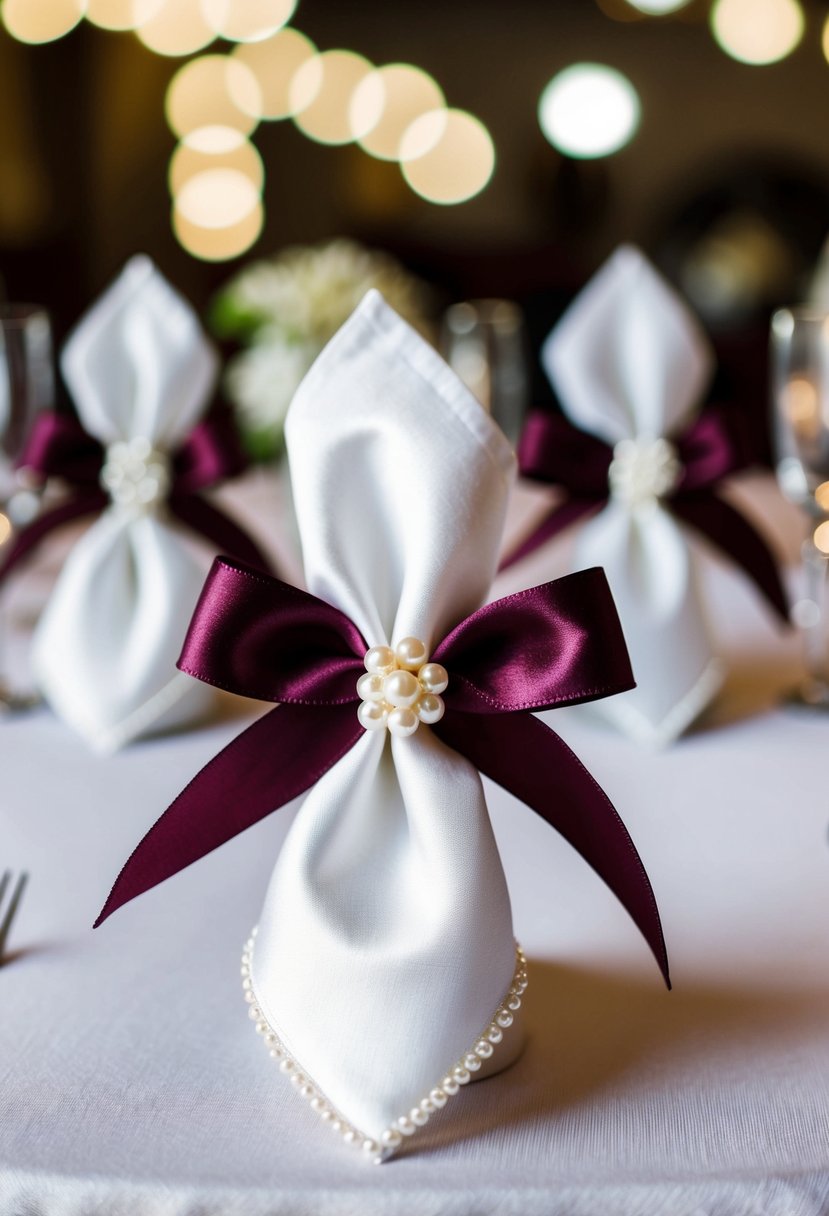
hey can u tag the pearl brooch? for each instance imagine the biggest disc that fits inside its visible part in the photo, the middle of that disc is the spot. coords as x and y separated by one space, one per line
407 1125
643 471
135 474
401 688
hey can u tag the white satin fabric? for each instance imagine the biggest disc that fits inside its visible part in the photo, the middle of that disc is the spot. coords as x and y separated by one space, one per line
385 943
629 361
138 366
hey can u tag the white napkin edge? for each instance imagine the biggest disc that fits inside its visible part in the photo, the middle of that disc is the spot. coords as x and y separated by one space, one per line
676 722
626 262
407 344
110 739
139 270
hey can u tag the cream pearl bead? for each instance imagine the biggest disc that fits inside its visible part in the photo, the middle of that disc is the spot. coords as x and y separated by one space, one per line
401 689
433 677
411 654
380 660
430 708
402 722
370 687
373 715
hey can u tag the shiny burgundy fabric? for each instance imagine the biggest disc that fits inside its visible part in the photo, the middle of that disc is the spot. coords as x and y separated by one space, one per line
557 644
522 754
59 447
553 450
259 637
266 766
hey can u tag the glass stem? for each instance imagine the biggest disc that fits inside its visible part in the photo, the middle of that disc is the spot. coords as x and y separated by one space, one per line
816 631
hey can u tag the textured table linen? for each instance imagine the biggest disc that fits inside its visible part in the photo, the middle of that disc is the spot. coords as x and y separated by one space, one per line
131 1082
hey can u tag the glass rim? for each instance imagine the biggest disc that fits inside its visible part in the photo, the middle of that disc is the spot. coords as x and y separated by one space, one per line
13 313
802 312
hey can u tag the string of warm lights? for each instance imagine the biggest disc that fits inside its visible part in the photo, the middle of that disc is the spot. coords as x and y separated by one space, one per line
395 112
215 102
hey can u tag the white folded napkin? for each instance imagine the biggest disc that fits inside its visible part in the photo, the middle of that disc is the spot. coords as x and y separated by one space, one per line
140 371
629 363
385 943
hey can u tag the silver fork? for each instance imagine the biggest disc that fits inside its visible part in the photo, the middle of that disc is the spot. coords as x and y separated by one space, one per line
8 916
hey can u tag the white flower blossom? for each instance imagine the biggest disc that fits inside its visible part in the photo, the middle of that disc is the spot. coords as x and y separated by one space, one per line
297 301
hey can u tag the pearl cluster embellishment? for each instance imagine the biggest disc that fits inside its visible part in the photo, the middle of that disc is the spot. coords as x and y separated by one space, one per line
643 470
392 1138
135 474
401 688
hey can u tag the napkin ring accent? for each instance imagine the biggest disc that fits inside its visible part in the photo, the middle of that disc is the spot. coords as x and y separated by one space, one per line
643 470
135 476
401 688
460 1074
557 644
555 452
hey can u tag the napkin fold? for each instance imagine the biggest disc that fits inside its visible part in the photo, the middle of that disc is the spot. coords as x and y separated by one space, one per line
386 941
140 371
384 974
630 364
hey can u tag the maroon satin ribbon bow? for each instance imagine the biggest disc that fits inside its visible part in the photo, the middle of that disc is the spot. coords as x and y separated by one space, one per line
557 644
59 447
552 450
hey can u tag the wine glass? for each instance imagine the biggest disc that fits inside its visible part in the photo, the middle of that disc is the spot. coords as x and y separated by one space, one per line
800 398
26 387
483 342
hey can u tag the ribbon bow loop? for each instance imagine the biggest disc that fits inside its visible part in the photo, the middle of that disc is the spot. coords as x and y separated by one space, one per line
58 446
571 649
259 637
555 452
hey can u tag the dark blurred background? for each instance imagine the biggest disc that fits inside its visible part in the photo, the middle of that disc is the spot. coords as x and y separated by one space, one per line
725 185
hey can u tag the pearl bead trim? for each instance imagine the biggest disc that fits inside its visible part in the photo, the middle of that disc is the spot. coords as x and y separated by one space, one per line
643 470
401 688
407 1125
135 474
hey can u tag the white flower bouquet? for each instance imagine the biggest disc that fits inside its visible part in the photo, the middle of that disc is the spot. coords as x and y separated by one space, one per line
284 309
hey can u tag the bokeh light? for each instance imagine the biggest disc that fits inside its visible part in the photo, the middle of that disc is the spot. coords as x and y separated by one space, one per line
821 537
218 244
275 62
387 102
5 528
757 31
658 8
247 20
121 14
447 156
178 28
800 402
217 198
321 93
589 110
213 90
215 148
41 20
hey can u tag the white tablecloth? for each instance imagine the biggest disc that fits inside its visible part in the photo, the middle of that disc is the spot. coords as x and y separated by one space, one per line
131 1080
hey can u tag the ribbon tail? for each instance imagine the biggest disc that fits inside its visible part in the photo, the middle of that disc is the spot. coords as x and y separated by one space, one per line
560 517
732 533
277 758
215 526
30 537
529 760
